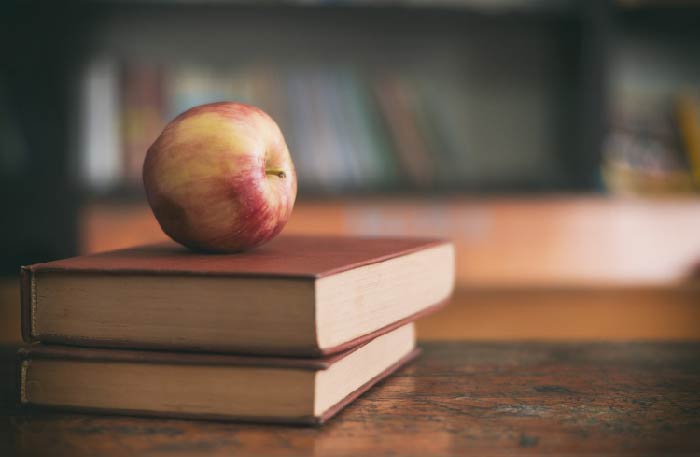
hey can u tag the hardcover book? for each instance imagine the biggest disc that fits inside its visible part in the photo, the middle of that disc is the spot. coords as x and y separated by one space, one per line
297 295
213 386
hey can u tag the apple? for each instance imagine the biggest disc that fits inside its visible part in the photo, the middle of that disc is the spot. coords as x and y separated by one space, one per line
220 178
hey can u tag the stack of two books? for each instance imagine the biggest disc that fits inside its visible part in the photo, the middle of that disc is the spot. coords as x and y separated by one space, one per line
289 332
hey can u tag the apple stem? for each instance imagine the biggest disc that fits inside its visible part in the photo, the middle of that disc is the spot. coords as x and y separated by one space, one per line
277 172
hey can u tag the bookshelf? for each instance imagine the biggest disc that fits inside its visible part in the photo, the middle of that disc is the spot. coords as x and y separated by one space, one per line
398 100
372 99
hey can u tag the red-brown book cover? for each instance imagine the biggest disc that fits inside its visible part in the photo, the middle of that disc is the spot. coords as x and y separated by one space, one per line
294 258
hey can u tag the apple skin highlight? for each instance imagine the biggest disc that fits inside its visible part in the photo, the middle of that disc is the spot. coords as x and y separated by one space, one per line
220 178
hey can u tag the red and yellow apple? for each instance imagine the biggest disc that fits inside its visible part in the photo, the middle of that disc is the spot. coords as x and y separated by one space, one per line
220 178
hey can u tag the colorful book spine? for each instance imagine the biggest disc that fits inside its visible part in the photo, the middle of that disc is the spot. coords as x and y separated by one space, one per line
689 124
142 115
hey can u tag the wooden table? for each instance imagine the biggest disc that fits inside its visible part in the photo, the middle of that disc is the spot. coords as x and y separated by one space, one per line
457 399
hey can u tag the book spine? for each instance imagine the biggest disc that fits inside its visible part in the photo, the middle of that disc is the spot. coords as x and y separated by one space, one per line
142 116
21 379
399 116
689 123
100 140
27 289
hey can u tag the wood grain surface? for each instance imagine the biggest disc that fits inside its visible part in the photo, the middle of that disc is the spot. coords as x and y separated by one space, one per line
631 399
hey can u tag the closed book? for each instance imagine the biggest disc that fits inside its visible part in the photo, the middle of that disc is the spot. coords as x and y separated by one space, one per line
209 386
297 295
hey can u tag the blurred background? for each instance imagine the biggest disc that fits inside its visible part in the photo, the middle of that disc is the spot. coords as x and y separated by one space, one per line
557 142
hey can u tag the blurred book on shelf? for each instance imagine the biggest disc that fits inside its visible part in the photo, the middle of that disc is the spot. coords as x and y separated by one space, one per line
142 114
689 125
101 159
654 145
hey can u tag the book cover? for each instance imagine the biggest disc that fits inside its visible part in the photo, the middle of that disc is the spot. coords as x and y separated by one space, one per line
297 295
208 386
